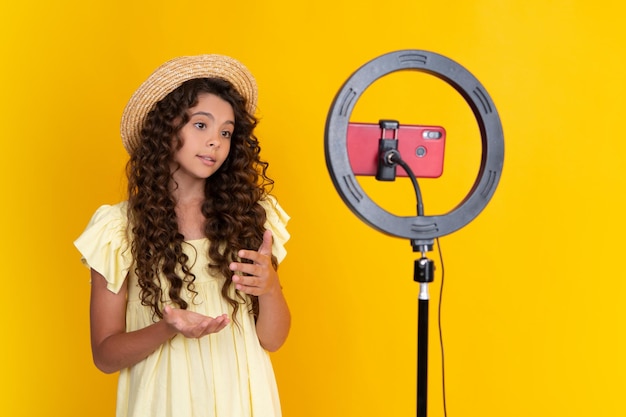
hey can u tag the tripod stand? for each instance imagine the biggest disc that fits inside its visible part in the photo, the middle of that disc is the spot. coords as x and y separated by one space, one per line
423 273
421 229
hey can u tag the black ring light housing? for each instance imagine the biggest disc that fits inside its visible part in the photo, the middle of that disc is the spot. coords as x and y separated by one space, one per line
417 228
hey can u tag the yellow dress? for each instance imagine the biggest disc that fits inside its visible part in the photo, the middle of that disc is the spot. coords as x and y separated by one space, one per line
226 374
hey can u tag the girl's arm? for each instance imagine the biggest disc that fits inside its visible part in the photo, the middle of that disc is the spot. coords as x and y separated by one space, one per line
262 280
274 319
113 348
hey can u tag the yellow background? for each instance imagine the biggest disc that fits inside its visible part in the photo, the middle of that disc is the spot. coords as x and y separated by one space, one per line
533 311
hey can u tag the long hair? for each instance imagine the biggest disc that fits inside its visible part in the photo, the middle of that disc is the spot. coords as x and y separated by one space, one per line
234 219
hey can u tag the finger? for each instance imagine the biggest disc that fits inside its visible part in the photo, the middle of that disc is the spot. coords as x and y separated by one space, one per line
246 283
251 255
246 268
264 254
249 290
200 329
217 324
223 321
170 316
266 246
209 325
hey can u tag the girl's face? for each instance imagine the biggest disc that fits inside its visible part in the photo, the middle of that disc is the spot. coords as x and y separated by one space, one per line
206 138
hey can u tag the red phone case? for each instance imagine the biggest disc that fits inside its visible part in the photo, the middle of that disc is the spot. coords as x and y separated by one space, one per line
420 146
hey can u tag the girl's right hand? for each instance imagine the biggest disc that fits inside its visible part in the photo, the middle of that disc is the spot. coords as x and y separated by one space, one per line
191 324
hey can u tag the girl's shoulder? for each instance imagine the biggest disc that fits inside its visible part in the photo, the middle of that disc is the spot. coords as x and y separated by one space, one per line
104 244
273 209
110 213
108 223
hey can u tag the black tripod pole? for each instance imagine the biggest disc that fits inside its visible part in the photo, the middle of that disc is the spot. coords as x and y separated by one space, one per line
424 275
388 158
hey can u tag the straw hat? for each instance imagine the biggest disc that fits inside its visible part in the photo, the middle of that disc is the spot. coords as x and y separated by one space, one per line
170 76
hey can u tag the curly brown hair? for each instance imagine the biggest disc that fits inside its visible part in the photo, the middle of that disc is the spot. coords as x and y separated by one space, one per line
234 219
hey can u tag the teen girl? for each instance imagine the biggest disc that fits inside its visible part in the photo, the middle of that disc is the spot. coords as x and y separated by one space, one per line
185 299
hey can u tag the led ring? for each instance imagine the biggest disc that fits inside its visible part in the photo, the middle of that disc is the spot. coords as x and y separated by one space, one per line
419 228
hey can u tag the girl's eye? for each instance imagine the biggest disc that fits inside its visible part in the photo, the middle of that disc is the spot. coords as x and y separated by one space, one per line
227 134
200 125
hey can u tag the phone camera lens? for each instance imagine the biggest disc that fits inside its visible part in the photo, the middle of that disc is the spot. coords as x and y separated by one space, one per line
431 134
420 151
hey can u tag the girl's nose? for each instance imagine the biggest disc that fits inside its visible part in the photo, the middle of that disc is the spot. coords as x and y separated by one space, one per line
214 140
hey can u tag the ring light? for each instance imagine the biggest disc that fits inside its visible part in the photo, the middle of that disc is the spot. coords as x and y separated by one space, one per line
416 228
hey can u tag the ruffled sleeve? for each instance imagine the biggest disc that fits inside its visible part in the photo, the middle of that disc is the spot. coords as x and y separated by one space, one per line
276 221
104 245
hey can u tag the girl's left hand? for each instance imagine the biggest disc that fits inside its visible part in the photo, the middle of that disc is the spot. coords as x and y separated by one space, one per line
261 276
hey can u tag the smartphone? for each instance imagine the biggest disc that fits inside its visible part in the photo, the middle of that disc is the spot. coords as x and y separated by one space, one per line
420 146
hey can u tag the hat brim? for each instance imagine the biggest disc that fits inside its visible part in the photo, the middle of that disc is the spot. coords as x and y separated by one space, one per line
170 76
